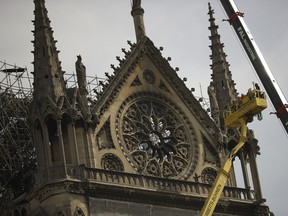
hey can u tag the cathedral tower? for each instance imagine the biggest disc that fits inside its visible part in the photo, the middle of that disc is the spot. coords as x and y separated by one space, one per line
60 117
137 13
48 75
222 88
222 92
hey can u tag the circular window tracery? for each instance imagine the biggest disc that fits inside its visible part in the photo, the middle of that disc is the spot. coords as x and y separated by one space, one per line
149 76
155 138
78 212
208 175
111 162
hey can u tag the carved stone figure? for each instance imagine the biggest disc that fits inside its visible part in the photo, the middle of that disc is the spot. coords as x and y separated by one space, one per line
212 96
136 4
213 102
81 74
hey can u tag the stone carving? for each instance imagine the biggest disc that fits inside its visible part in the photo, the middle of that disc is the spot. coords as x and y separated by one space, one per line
163 87
213 103
210 153
104 137
208 175
111 162
81 75
60 213
140 158
136 82
136 4
155 139
149 77
79 212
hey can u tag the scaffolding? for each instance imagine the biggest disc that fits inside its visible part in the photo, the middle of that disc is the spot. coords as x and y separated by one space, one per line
17 152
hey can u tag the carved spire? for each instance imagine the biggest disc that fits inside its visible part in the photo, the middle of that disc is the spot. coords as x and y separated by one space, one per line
222 88
137 13
48 75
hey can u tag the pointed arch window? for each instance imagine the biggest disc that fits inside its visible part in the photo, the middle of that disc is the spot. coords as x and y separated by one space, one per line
40 143
223 85
68 138
43 49
81 140
78 212
38 132
53 139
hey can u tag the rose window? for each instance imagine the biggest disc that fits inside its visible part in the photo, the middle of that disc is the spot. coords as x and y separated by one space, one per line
155 138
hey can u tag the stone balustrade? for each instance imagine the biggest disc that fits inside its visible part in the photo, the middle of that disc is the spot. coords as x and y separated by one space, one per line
146 182
159 184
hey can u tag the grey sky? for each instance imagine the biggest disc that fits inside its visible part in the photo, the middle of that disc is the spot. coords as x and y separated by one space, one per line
98 29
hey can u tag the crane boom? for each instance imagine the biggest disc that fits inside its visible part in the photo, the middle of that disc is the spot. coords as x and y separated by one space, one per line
223 175
261 67
238 114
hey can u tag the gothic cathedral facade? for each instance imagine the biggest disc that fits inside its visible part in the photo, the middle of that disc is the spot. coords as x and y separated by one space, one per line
144 146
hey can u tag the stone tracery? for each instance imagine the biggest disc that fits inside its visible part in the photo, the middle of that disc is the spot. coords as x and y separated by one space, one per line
78 212
208 175
111 162
155 137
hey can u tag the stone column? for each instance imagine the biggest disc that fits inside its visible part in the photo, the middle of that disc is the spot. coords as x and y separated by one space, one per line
59 128
47 151
245 172
75 143
255 177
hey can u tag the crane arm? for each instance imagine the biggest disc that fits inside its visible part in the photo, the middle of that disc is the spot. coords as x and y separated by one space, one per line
238 114
223 175
256 58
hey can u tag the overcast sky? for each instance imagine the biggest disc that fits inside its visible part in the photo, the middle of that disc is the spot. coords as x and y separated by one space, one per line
98 29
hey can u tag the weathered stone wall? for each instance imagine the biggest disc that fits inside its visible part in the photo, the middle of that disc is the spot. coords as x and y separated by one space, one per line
106 207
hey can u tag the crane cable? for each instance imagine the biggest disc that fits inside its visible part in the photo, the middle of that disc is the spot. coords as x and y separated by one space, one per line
249 62
239 43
